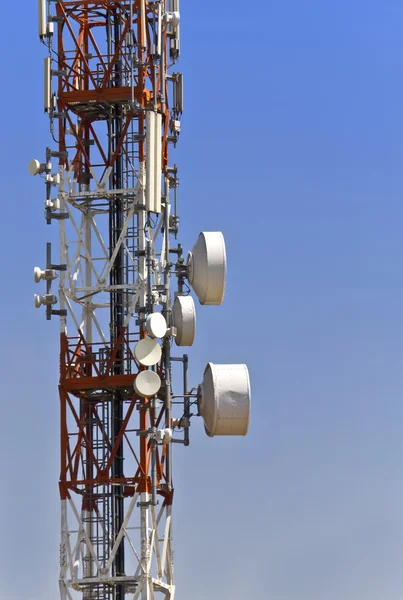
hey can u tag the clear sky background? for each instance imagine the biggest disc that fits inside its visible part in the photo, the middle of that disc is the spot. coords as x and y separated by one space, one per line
292 145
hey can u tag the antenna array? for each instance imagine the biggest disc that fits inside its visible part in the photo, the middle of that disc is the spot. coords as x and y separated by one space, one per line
114 101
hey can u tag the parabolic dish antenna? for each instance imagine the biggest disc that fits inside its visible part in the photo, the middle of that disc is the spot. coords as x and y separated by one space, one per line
37 301
37 274
147 384
207 264
156 325
148 352
224 400
184 319
34 166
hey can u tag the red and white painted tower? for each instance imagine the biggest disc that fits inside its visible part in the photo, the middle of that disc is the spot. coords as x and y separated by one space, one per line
118 287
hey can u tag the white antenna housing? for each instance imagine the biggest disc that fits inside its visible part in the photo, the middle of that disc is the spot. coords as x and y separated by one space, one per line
147 384
160 32
143 23
46 300
184 320
156 325
148 352
153 161
47 274
42 18
164 436
38 274
174 9
35 167
47 84
207 268
37 301
225 398
173 18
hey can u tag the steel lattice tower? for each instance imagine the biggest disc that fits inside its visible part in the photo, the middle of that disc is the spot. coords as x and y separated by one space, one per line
115 100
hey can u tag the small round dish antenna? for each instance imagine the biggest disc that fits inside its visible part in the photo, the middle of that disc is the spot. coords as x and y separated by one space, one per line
156 325
184 320
148 352
207 268
37 274
34 167
147 384
224 399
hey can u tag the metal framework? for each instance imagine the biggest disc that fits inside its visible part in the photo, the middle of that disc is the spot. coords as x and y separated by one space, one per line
107 89
114 102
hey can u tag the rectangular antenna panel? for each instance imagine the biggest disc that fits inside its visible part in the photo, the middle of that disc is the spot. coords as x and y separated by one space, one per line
178 92
42 20
158 161
143 24
47 85
153 161
160 32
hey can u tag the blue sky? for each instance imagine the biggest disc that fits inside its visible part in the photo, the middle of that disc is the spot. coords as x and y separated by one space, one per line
292 145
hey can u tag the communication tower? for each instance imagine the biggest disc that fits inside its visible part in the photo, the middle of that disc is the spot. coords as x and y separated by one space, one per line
119 288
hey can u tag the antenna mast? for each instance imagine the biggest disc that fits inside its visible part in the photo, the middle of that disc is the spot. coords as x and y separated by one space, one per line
115 100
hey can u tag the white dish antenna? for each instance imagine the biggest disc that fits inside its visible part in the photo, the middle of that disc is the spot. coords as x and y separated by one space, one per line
184 320
47 275
224 399
38 274
207 265
148 352
156 325
46 300
147 384
34 167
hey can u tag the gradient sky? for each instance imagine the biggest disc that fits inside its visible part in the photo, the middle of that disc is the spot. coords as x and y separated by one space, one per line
292 145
